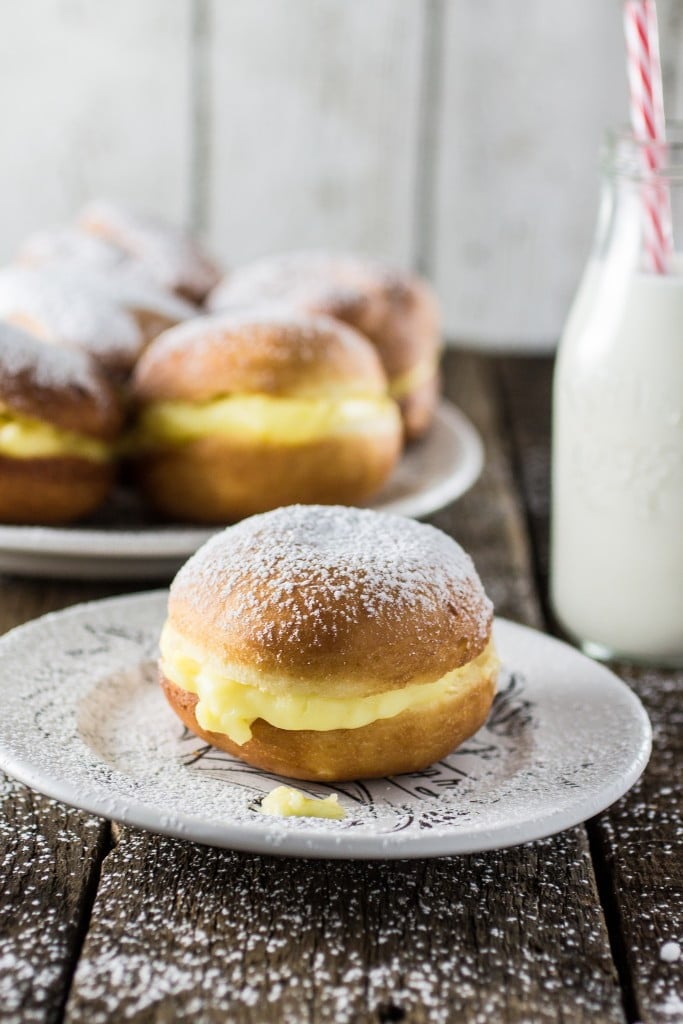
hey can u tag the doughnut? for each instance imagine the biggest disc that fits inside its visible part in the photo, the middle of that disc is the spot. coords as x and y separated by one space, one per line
397 311
239 414
93 265
57 308
64 246
154 309
330 643
59 419
171 255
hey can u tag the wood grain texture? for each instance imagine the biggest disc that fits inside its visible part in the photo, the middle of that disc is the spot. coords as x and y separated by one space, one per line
49 865
637 843
95 99
49 857
528 90
313 125
24 599
182 932
185 933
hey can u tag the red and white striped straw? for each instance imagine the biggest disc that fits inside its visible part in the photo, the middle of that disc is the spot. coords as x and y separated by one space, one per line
647 119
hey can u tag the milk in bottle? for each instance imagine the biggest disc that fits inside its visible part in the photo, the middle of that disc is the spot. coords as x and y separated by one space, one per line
617 495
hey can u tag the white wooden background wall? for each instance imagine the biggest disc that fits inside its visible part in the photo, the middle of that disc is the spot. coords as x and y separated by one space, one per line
459 136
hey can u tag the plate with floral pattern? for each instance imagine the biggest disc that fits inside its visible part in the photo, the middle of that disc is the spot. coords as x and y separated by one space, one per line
84 721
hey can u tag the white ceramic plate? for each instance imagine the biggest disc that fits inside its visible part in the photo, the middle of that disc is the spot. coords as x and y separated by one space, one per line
84 721
120 544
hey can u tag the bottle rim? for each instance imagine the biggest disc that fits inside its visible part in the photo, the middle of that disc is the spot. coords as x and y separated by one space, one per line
626 157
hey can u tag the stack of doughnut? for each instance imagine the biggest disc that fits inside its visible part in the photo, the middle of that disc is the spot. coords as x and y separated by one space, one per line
296 379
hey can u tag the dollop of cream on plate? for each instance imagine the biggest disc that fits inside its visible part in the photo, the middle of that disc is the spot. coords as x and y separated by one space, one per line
287 802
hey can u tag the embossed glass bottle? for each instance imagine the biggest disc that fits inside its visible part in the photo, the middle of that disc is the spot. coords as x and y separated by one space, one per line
617 487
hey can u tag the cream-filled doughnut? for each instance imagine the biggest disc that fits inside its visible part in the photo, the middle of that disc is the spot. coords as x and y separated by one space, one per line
59 420
171 255
397 311
83 261
59 309
240 414
330 643
69 246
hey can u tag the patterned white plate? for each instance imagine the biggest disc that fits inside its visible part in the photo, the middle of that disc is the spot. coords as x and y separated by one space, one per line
120 543
84 721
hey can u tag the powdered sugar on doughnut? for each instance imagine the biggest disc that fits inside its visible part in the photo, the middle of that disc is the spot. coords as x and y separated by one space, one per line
62 311
263 352
68 245
124 286
303 333
47 366
171 254
34 376
304 279
310 576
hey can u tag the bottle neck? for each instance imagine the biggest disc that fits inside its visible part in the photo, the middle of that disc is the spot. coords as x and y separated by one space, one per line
640 220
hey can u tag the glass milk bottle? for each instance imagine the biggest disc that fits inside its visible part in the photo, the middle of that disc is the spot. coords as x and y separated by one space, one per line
617 487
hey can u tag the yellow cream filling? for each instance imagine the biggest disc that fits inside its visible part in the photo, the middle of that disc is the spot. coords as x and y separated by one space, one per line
262 418
231 707
287 802
404 383
24 438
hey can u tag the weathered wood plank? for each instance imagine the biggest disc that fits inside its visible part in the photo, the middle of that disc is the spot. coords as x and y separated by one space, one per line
49 857
516 171
49 866
638 843
489 520
24 599
95 99
182 932
278 125
525 401
638 846
313 126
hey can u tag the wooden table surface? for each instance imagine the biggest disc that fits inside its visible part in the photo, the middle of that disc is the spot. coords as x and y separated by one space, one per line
101 923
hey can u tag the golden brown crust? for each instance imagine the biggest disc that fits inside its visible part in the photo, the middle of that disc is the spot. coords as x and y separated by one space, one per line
221 480
58 386
333 597
418 408
396 310
399 314
408 742
52 490
274 354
